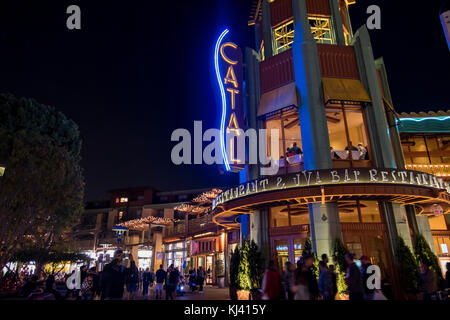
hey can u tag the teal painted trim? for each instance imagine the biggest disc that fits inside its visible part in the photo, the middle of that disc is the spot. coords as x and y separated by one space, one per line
424 125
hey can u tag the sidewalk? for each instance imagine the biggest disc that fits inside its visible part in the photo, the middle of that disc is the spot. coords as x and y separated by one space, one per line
209 293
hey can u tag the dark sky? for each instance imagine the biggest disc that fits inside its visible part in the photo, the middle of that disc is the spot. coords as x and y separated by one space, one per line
140 69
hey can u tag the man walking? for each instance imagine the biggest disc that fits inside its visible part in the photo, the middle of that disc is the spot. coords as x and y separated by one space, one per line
113 279
354 279
160 278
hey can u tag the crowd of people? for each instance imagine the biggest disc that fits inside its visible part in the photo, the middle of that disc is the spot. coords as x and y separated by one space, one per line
300 283
114 282
296 282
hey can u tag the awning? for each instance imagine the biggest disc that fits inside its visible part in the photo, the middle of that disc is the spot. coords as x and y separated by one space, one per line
285 96
344 90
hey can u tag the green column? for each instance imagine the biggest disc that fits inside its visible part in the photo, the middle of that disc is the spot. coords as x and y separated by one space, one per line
376 121
267 29
336 20
313 122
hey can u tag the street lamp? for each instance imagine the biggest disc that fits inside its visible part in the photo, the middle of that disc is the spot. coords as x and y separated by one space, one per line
120 232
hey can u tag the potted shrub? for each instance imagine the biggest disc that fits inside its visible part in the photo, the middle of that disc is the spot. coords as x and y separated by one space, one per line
408 270
424 253
234 268
250 272
220 272
339 252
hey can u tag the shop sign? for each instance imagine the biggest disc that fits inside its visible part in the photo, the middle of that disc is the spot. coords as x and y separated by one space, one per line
331 177
228 63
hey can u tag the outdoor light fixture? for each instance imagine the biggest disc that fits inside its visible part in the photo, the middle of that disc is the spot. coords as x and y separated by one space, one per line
2 170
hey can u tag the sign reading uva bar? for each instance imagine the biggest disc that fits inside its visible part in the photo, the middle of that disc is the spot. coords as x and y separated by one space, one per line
332 177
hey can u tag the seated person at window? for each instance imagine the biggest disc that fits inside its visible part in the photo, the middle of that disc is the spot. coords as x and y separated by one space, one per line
296 150
334 156
362 152
352 147
289 153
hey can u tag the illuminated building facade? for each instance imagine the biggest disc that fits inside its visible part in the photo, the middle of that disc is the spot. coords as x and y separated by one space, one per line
425 139
316 81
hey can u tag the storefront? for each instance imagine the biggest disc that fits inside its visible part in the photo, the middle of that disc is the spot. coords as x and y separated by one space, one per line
176 254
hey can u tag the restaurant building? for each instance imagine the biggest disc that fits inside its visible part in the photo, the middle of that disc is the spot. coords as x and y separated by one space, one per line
425 139
314 79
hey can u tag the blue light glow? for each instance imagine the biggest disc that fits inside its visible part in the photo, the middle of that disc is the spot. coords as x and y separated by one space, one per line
424 119
224 100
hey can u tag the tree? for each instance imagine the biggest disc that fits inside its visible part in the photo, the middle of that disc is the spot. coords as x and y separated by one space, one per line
424 253
408 268
308 251
234 268
339 252
41 192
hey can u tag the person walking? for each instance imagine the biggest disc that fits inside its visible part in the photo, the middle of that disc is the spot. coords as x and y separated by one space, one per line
145 282
428 281
333 276
132 280
325 283
200 279
87 287
173 277
288 280
50 287
368 293
305 286
113 278
354 279
271 283
160 279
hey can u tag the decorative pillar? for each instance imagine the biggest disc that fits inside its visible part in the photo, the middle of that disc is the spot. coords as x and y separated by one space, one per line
336 20
313 122
424 229
267 29
259 231
325 227
376 121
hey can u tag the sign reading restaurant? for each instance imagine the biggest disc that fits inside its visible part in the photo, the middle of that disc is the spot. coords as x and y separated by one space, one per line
332 177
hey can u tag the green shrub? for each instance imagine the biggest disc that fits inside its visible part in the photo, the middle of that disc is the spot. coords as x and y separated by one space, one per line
408 268
424 253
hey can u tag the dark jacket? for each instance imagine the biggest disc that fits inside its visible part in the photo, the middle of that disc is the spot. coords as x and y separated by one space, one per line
160 276
132 275
113 280
354 279
146 277
311 280
325 284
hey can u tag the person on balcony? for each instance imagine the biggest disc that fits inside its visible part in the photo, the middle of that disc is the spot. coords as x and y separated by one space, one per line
296 150
362 151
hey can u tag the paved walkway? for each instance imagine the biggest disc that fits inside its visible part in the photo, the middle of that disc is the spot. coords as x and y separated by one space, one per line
209 293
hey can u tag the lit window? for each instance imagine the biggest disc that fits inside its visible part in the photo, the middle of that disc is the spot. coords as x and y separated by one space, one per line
321 29
117 200
284 37
120 215
444 248
122 200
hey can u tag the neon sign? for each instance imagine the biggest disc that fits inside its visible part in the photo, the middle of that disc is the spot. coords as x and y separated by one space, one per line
228 62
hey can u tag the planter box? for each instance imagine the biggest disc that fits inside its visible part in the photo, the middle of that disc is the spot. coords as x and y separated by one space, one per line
243 295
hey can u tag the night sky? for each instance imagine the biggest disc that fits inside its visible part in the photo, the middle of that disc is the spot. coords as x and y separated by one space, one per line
137 70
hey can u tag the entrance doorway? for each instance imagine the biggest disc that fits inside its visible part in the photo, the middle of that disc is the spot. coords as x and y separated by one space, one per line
287 248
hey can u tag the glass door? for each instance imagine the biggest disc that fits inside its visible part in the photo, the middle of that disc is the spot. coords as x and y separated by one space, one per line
281 253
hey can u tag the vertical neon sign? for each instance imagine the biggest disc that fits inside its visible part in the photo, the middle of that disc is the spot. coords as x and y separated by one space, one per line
228 55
